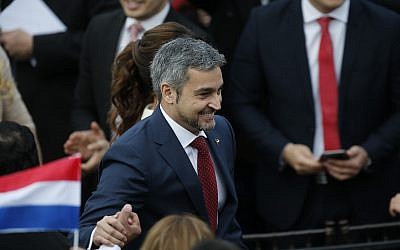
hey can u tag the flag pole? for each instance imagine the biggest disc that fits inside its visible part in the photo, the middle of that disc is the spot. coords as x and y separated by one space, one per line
76 239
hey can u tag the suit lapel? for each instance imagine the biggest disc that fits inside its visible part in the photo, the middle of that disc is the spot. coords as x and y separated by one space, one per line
354 31
113 37
107 43
296 44
175 156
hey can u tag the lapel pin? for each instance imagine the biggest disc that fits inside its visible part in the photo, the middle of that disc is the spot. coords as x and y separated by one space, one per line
217 141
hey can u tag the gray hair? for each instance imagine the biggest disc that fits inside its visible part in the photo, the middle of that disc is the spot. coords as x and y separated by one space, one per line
173 59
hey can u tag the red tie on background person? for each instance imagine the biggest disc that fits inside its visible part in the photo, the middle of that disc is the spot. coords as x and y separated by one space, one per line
135 30
328 88
206 173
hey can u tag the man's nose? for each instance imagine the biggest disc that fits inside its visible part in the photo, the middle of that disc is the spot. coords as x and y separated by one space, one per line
216 102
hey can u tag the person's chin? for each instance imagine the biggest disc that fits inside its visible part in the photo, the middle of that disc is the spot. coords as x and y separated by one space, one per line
206 126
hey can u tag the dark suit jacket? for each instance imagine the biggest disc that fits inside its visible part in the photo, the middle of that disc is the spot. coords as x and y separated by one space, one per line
391 4
92 93
270 100
228 20
47 88
148 168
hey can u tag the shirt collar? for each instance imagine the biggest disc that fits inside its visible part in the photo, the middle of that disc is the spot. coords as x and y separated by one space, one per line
151 22
311 14
185 137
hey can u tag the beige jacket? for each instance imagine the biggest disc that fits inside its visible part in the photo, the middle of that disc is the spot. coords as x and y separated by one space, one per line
12 107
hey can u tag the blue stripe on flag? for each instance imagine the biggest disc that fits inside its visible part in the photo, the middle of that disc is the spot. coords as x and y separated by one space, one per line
39 218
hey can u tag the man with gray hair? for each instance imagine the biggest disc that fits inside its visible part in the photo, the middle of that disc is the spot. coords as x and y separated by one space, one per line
179 160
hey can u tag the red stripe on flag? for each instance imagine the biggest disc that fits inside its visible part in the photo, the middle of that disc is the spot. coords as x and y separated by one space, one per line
68 169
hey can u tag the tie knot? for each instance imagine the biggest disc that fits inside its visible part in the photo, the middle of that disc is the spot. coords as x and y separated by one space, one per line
199 143
324 22
135 30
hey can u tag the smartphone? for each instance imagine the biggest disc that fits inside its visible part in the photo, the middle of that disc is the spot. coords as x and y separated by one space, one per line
339 154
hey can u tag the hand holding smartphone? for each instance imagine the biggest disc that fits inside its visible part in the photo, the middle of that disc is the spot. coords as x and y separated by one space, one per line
339 154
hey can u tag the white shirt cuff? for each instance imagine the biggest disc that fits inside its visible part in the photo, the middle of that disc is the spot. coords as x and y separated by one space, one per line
102 247
91 239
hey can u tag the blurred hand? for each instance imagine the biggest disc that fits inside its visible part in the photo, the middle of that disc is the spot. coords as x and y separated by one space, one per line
99 148
394 208
118 229
346 169
301 159
91 144
78 141
17 43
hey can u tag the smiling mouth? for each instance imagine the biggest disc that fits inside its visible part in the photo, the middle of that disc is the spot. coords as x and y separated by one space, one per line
132 5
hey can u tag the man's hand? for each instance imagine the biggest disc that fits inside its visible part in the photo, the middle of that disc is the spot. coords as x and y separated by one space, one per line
91 144
394 208
98 148
17 43
118 229
346 169
131 222
79 141
301 159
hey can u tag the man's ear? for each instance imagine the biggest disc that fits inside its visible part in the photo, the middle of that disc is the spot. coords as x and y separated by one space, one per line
168 93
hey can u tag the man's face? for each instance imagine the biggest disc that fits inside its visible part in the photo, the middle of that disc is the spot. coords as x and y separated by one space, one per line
195 106
326 6
142 9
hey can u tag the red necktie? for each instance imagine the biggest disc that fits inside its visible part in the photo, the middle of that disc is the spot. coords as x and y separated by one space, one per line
328 89
135 30
206 173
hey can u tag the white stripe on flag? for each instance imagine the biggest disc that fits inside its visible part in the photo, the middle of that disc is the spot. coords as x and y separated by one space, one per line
44 193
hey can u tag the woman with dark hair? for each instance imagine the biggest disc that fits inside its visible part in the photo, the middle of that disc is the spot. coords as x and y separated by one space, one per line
17 148
132 96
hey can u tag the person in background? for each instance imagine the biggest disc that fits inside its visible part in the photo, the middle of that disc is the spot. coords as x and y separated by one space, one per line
12 107
46 69
18 152
304 81
158 174
176 232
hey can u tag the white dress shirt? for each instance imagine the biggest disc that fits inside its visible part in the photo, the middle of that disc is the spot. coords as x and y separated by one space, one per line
312 31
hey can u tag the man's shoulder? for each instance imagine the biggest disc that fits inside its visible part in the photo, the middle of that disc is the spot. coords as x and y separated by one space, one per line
275 13
221 120
276 7
104 19
138 132
380 12
222 126
174 16
379 18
